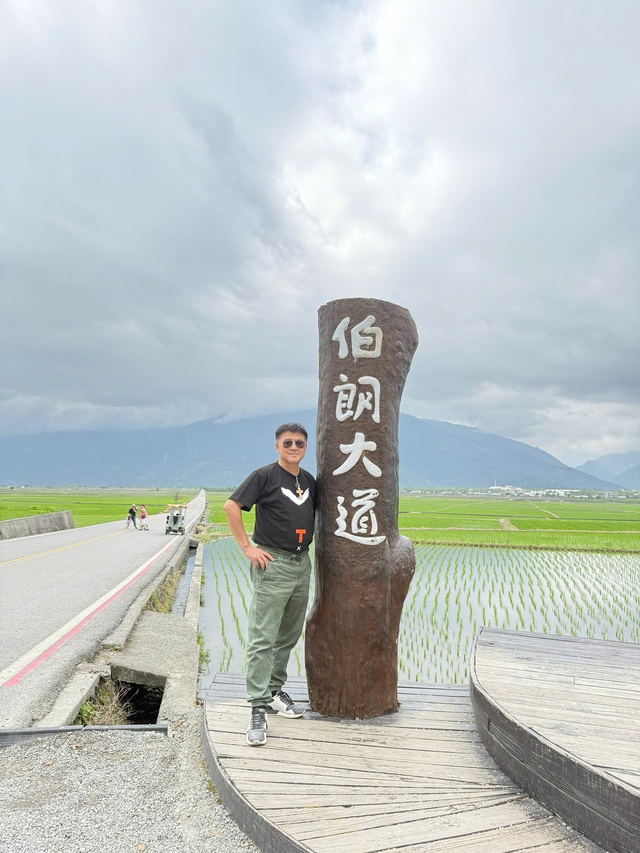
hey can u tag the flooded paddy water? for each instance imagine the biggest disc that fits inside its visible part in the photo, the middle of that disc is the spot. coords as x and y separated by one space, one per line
455 591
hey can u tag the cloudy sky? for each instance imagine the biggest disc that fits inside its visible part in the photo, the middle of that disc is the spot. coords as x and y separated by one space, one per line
183 185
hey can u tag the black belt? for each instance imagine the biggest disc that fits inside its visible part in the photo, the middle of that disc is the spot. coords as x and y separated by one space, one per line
283 551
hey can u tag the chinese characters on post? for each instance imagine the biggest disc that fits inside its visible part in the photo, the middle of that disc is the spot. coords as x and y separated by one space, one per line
353 401
363 565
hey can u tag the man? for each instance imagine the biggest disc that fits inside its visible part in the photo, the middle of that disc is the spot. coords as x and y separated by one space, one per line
284 495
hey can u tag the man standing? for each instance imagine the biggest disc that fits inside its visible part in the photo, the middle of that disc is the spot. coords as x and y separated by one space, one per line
131 516
284 495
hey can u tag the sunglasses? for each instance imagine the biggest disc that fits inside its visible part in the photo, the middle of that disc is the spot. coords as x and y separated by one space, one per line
299 443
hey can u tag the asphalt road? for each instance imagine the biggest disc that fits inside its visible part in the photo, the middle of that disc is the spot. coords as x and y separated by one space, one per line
61 594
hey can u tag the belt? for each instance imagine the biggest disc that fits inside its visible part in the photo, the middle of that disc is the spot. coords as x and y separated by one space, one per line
282 551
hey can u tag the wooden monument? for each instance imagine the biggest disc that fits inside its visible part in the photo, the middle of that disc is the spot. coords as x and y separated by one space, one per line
363 566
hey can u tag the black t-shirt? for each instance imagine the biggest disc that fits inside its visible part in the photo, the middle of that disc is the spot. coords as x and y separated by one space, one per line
284 518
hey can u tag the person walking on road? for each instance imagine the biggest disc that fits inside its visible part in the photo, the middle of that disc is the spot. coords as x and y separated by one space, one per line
284 495
144 518
132 516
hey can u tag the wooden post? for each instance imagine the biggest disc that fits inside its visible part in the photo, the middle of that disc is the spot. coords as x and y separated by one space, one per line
363 566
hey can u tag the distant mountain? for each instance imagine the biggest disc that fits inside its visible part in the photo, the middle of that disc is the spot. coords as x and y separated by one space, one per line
630 479
215 454
462 456
622 468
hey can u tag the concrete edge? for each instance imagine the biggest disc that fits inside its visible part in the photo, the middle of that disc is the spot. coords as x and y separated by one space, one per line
10 737
74 694
34 525
82 684
181 688
192 607
118 637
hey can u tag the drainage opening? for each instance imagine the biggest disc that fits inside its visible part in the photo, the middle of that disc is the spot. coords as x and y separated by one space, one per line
142 702
121 703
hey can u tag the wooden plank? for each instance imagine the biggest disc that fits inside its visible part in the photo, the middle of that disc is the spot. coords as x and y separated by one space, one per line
374 765
532 639
437 719
268 802
391 821
307 734
560 669
541 837
285 814
353 730
630 779
234 684
569 672
576 713
540 732
418 777
423 830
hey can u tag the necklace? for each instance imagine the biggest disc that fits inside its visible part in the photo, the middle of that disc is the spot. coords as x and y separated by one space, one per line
299 491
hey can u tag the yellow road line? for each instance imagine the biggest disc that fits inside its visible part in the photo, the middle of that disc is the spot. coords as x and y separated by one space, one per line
63 548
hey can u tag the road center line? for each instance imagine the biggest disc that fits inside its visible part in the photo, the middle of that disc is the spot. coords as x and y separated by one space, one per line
14 673
62 548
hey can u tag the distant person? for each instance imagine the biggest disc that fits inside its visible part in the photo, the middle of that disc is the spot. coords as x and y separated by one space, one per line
131 517
144 518
284 496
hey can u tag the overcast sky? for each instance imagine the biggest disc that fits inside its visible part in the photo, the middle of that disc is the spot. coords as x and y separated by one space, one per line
183 185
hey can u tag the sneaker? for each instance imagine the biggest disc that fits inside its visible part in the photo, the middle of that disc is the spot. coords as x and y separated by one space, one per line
257 731
284 705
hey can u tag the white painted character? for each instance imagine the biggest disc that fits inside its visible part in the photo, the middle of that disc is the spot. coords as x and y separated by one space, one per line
366 339
367 400
356 451
364 524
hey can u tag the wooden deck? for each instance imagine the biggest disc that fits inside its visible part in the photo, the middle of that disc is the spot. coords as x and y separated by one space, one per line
418 780
561 716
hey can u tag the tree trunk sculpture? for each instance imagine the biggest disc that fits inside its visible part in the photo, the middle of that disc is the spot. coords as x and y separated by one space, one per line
363 566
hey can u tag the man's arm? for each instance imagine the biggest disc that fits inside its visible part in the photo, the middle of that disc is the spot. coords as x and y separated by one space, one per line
258 557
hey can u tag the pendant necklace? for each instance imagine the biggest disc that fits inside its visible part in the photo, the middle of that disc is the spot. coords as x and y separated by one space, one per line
299 491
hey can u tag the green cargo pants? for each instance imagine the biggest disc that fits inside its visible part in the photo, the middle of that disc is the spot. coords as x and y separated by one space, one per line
276 619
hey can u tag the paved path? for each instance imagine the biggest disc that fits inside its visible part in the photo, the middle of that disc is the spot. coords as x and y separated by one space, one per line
61 594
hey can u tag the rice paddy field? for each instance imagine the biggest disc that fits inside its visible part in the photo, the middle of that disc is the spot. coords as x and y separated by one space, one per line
455 591
559 567
593 524
88 506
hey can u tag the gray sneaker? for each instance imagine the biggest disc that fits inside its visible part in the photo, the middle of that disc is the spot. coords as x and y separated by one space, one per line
284 705
257 731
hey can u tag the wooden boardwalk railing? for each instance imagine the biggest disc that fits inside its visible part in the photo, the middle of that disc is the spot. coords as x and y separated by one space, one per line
418 780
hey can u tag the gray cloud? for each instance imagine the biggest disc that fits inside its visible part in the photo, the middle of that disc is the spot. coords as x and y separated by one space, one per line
183 187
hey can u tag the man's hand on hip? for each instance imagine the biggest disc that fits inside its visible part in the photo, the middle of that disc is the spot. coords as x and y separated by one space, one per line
258 557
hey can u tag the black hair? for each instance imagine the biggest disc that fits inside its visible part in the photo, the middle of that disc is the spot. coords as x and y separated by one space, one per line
293 427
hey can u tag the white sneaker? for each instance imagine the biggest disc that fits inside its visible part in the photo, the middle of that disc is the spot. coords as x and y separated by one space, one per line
285 706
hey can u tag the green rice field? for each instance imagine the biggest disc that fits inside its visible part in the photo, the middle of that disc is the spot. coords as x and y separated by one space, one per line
88 506
597 525
588 525
454 592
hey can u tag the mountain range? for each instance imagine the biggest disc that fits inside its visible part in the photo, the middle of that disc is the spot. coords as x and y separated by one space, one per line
622 468
214 454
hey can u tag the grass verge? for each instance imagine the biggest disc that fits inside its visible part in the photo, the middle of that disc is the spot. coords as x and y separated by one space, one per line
162 598
106 708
